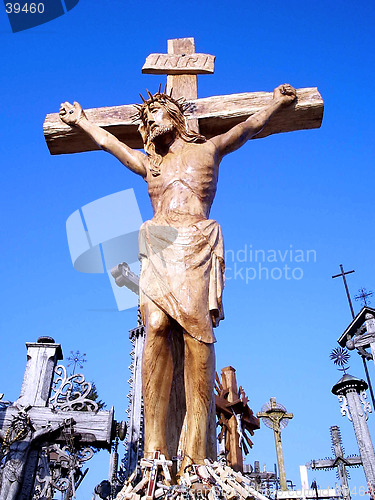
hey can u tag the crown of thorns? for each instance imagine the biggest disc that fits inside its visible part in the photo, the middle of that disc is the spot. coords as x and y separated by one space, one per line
158 97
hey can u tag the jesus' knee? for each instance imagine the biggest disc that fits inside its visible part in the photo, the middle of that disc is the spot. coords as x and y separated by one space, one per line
157 324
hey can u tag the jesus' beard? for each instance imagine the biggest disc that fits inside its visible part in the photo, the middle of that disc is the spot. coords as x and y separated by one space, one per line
160 131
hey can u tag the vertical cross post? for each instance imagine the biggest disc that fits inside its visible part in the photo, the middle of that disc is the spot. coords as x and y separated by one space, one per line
341 469
370 332
135 431
183 85
181 65
340 462
42 357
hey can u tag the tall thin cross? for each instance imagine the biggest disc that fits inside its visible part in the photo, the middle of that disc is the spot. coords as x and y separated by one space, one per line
340 462
343 275
276 417
215 115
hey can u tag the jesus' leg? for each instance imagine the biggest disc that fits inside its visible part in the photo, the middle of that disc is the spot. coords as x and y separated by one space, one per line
199 384
157 373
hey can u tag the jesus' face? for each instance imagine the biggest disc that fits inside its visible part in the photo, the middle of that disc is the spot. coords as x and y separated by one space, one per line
158 121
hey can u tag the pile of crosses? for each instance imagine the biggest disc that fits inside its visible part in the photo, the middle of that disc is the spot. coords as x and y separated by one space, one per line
212 480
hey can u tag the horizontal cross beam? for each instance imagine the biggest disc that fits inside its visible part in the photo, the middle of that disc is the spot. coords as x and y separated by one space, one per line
215 115
93 428
331 463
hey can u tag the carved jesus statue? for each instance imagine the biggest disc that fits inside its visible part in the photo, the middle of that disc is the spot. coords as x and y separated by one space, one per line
182 253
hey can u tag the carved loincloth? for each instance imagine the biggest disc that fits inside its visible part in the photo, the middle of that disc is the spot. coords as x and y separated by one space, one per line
183 274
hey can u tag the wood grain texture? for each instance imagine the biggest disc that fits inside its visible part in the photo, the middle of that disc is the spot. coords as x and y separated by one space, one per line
215 115
183 85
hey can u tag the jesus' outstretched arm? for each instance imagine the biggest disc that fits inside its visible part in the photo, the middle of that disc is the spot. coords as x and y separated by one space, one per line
73 115
225 143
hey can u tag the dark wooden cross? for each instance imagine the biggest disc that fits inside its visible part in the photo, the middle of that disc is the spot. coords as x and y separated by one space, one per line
213 115
343 275
93 428
339 462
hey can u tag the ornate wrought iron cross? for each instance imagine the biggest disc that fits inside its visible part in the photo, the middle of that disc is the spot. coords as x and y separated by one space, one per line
363 294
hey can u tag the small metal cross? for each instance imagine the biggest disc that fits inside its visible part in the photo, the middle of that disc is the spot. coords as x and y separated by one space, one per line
76 359
363 294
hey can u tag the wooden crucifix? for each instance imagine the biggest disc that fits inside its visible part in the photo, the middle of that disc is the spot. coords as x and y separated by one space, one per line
275 416
214 115
181 249
32 421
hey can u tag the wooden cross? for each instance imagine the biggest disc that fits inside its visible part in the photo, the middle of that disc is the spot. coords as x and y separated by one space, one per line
90 427
274 415
339 462
235 416
214 115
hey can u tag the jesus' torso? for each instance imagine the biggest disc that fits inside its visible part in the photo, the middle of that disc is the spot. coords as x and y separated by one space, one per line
183 192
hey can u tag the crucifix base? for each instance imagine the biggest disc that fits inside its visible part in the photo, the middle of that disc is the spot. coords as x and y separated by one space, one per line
211 480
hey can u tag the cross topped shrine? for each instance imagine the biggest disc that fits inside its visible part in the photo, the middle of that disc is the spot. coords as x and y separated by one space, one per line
38 420
214 115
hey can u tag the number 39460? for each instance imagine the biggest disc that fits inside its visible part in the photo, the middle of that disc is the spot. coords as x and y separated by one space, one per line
27 8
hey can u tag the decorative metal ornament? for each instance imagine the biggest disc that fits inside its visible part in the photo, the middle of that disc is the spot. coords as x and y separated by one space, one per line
340 357
344 407
363 295
71 392
366 404
76 359
268 422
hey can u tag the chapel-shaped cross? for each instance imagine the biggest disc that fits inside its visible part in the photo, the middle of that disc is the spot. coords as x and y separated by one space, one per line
212 115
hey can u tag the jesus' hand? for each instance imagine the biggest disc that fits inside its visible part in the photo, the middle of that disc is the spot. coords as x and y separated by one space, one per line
285 93
71 114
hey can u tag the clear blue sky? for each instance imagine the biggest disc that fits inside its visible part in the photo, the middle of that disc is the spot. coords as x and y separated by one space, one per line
307 190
